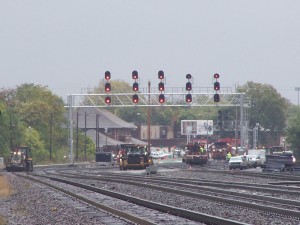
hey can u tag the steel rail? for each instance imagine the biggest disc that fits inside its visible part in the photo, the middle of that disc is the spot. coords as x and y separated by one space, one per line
205 218
113 211
285 212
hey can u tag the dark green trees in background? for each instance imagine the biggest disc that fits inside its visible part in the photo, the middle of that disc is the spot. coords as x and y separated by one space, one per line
267 108
30 112
293 131
33 116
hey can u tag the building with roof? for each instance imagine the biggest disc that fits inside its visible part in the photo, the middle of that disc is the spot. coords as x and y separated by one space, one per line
104 128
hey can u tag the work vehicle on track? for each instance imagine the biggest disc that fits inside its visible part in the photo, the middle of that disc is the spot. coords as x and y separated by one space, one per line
195 154
134 156
20 160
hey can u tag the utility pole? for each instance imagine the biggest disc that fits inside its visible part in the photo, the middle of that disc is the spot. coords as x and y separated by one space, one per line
51 132
148 121
85 135
11 132
297 89
77 133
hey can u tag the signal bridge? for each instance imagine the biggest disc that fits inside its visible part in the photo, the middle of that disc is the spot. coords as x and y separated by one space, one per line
173 97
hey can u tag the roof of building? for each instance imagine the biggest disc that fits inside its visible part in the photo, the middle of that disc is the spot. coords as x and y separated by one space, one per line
106 119
105 140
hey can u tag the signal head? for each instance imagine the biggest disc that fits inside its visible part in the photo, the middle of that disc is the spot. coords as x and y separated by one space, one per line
135 75
217 99
188 86
161 98
135 86
135 98
107 75
107 100
216 76
107 87
161 74
188 98
188 76
216 86
161 86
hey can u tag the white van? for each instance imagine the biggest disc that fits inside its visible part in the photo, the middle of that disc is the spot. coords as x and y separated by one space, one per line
261 156
237 162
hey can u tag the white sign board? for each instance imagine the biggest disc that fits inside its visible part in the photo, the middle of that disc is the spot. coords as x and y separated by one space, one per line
197 127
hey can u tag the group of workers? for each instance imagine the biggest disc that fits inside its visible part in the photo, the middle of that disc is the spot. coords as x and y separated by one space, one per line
196 148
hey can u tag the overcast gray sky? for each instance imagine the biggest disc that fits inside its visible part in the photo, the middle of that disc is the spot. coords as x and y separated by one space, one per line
68 45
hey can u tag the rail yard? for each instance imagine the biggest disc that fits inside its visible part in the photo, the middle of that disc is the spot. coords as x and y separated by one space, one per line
176 194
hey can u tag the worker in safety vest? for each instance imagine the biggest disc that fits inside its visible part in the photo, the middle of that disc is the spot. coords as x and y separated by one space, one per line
228 156
201 150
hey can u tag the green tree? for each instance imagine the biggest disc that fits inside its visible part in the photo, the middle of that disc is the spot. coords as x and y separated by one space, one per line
31 138
4 132
293 131
268 108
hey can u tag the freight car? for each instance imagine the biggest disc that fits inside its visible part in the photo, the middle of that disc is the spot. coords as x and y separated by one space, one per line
133 156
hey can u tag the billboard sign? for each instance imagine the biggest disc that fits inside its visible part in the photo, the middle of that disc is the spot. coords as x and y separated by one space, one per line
197 127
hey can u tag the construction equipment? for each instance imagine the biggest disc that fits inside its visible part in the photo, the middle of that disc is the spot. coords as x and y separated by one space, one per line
195 154
20 160
134 156
279 161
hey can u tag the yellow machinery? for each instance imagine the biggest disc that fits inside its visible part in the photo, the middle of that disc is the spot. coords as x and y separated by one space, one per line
134 156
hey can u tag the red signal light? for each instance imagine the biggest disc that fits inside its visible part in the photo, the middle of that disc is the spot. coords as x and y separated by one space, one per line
216 76
161 74
107 87
107 100
161 86
135 98
188 86
161 98
216 86
135 86
107 75
135 75
188 98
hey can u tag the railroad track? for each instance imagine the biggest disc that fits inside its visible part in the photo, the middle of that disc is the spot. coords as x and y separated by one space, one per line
181 215
278 176
203 190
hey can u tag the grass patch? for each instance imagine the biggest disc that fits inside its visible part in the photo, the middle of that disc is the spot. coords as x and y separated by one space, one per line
5 191
5 187
3 221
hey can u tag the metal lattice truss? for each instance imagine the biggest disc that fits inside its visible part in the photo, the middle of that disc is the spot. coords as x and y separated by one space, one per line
151 99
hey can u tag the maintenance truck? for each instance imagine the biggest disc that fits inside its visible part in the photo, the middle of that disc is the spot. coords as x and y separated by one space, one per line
134 156
20 160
